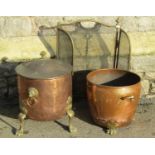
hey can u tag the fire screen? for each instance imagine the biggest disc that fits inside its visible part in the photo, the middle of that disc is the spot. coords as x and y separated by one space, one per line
89 45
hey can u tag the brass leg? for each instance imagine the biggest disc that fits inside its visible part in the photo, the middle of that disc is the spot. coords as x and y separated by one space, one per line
111 128
70 114
32 99
111 131
21 118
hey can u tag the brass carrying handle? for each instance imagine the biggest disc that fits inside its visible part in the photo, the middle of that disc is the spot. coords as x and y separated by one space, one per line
33 94
128 98
88 24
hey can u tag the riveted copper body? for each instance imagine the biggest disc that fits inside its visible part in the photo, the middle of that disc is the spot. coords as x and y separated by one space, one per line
113 96
53 83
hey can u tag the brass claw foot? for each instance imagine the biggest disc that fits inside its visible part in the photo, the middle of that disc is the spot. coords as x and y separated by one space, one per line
70 114
21 132
111 128
30 101
21 118
72 129
111 131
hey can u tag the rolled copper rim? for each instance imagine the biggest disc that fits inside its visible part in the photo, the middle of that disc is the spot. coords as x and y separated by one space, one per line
52 78
93 73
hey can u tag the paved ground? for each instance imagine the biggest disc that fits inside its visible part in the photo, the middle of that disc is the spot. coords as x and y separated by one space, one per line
143 126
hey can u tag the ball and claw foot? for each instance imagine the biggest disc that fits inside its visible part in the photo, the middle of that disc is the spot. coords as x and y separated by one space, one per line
111 131
20 132
72 129
70 114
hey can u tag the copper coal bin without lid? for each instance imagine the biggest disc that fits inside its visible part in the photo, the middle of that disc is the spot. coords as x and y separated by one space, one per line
45 91
113 96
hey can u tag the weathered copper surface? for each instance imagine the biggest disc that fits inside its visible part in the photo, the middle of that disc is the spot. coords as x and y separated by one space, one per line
52 98
113 96
45 92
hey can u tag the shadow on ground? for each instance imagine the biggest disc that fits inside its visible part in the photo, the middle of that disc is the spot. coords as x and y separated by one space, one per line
82 112
9 108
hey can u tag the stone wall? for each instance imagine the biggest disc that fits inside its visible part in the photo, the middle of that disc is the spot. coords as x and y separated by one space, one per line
19 41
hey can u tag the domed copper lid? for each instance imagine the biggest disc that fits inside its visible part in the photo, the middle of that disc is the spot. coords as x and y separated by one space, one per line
43 69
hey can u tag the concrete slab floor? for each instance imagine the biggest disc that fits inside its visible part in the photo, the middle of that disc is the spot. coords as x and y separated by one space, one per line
142 126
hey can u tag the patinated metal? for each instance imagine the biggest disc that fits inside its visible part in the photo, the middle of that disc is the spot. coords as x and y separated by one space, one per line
117 44
45 91
113 96
70 114
32 99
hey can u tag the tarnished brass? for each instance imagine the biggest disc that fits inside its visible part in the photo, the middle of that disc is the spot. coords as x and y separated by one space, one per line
43 54
33 95
111 128
128 98
111 131
70 114
113 97
4 59
31 100
22 115
117 44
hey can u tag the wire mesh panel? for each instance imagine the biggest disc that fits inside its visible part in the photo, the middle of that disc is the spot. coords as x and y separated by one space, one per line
48 38
89 45
65 47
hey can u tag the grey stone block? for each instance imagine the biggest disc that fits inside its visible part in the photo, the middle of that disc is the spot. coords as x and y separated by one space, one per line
145 87
152 90
141 74
2 22
15 26
129 24
150 75
13 91
148 99
12 81
7 69
2 92
152 87
143 63
47 20
146 23
3 83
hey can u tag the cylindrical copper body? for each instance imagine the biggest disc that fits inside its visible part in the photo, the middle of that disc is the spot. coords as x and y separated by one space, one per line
52 98
113 96
44 87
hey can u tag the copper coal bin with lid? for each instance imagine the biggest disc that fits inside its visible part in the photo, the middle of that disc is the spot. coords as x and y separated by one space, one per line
45 91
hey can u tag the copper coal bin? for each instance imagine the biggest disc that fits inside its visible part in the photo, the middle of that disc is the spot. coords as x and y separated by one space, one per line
45 91
113 96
